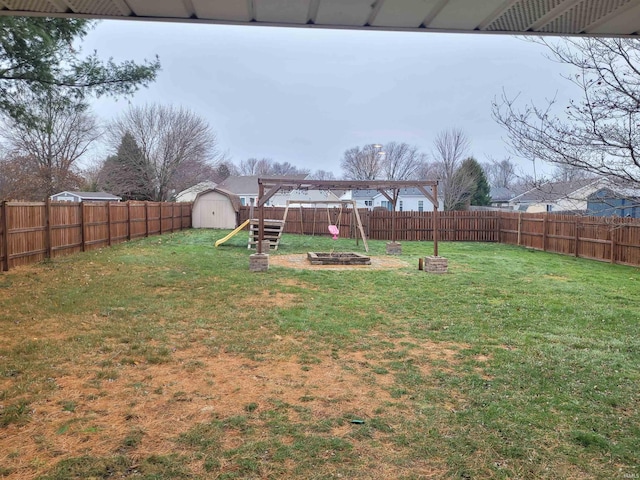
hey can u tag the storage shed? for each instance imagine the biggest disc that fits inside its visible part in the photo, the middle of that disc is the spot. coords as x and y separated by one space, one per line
215 208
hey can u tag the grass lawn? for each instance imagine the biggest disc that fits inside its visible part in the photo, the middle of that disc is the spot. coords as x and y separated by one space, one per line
167 359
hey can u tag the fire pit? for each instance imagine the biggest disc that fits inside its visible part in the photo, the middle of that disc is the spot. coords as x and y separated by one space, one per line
338 258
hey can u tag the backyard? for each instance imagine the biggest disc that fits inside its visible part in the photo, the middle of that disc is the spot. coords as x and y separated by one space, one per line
165 358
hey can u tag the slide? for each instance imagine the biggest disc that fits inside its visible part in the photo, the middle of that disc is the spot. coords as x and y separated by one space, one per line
235 232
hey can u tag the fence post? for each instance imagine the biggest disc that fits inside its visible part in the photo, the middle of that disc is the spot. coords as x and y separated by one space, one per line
519 227
161 203
613 244
146 218
47 227
499 227
129 218
109 223
577 239
82 239
5 236
544 232
173 215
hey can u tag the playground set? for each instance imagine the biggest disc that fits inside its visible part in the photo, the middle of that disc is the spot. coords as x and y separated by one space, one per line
266 233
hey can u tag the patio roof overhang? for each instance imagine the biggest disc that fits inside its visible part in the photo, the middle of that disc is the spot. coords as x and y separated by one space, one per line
539 17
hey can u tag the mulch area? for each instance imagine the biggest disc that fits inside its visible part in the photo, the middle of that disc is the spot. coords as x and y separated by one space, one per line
300 261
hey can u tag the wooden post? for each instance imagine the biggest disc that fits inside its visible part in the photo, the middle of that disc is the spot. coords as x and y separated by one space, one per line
109 223
544 232
393 215
146 218
577 239
129 218
82 239
499 227
5 236
260 218
614 244
519 227
436 221
173 215
47 226
161 203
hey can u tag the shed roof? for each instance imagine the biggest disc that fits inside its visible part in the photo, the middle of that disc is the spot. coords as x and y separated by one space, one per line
233 198
190 194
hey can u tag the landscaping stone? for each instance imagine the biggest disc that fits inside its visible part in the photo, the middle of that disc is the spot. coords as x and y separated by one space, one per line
436 264
394 248
259 262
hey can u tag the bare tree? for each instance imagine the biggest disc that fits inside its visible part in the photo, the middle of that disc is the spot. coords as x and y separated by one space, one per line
568 173
285 168
60 132
450 148
176 146
428 170
599 132
401 161
266 166
500 173
251 166
322 175
365 164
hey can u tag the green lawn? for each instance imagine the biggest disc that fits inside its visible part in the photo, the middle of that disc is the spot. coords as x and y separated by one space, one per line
167 359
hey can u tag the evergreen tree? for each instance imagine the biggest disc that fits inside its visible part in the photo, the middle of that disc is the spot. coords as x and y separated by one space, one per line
482 192
127 173
477 192
38 54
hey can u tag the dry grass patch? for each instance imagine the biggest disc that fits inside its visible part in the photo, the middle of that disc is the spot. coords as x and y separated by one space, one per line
145 407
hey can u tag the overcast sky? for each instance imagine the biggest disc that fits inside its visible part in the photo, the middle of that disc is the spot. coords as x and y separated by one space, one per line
305 95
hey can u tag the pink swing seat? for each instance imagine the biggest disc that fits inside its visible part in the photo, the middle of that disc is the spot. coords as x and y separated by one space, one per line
333 230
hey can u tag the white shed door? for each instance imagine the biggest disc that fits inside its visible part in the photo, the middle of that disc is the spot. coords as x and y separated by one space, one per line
216 214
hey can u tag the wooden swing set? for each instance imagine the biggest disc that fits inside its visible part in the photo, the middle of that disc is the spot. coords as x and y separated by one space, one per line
268 187
334 224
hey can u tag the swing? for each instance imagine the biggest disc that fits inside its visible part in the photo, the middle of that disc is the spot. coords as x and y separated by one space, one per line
333 228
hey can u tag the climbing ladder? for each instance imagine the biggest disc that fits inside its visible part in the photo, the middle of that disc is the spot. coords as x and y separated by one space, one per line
272 232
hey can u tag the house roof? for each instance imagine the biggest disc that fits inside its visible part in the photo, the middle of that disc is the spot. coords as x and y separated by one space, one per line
370 193
617 192
90 195
553 191
248 184
501 194
569 17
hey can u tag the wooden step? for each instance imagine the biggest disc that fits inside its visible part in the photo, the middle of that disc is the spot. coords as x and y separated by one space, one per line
272 232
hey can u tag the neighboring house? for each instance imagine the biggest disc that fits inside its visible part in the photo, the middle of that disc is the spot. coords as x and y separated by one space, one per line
281 198
84 197
190 194
557 196
409 200
215 208
500 196
246 188
615 201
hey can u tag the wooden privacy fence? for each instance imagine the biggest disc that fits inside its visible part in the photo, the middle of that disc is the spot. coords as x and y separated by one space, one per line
33 231
610 239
